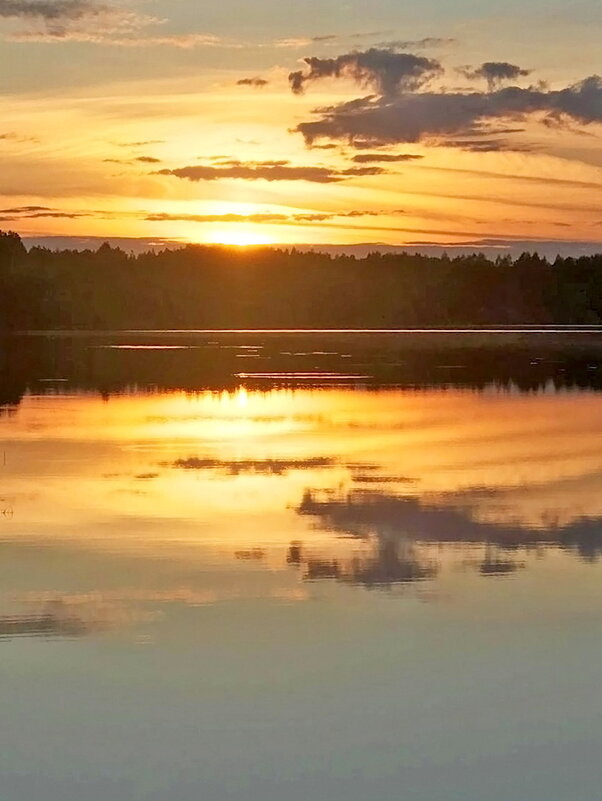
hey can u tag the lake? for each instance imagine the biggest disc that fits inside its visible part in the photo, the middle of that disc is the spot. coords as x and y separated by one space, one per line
313 566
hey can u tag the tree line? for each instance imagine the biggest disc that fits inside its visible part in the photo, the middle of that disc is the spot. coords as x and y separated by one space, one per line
217 287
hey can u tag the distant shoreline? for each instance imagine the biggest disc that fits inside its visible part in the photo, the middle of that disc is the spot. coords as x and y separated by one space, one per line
502 329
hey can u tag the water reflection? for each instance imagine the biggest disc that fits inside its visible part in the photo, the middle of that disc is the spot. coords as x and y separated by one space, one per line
111 363
292 593
167 500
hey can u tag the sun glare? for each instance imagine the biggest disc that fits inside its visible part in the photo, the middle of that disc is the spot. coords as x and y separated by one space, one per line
239 238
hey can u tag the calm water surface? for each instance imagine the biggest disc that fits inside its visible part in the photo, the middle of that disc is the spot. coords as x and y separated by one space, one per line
296 582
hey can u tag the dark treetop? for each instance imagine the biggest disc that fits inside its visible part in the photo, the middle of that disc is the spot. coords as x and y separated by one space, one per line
218 287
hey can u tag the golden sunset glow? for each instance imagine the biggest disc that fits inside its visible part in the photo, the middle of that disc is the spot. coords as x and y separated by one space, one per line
300 400
239 237
238 153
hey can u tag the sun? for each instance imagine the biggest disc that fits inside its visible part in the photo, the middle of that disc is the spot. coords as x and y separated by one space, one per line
239 238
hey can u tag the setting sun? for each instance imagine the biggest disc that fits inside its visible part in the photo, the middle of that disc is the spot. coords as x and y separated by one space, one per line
239 238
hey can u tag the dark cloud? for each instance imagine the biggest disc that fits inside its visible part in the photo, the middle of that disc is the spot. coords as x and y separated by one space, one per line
493 145
256 83
24 209
442 117
50 10
391 518
58 215
367 158
384 71
362 171
267 171
78 20
39 212
147 160
62 18
494 72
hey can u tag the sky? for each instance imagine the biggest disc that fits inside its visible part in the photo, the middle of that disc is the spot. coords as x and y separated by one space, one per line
276 122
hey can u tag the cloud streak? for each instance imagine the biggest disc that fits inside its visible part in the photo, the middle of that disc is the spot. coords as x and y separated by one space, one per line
255 83
368 158
267 171
309 217
427 43
20 213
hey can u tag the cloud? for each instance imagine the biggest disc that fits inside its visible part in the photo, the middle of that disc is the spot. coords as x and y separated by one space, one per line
18 213
110 39
495 73
267 171
460 119
139 159
256 83
94 23
384 71
223 218
329 37
142 143
366 158
24 209
50 10
493 145
417 44
62 18
272 218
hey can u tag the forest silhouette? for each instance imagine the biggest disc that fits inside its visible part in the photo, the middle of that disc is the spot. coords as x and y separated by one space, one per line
199 286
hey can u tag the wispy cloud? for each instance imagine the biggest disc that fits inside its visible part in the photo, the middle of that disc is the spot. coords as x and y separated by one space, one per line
267 171
19 213
309 217
94 23
428 43
367 158
110 39
136 160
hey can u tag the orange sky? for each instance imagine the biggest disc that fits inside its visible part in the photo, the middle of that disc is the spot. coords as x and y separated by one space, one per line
131 121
